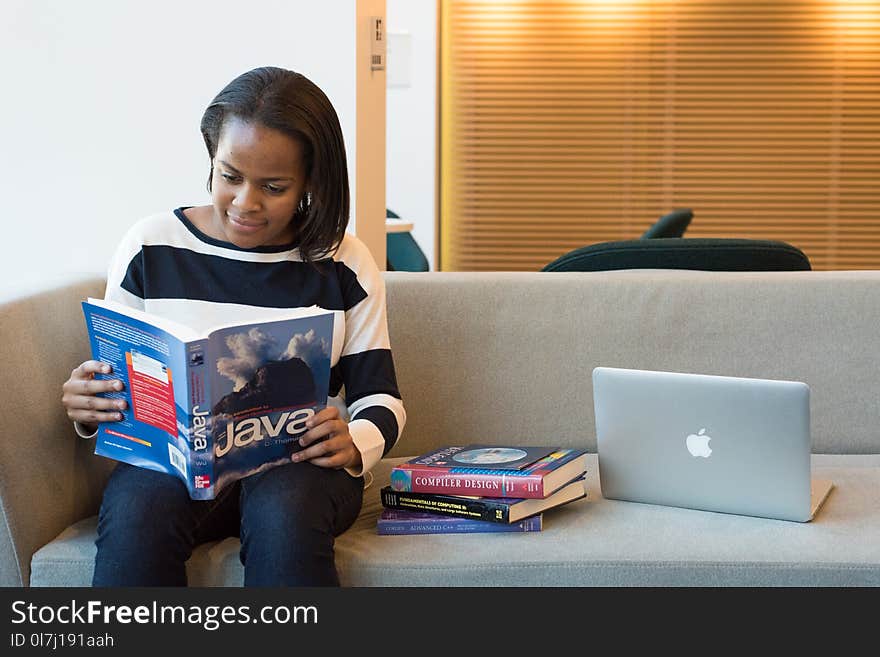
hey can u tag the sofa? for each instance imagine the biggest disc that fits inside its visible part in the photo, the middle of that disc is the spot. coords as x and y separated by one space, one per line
507 357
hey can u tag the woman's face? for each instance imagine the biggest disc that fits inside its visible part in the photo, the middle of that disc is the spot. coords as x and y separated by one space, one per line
258 182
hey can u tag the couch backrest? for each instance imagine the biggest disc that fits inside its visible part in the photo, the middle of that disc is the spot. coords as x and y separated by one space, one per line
508 357
42 338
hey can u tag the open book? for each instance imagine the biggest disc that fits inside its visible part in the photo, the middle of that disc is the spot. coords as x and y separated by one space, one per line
214 407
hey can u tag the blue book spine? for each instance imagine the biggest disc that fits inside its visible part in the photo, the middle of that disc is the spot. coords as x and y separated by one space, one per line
196 435
395 521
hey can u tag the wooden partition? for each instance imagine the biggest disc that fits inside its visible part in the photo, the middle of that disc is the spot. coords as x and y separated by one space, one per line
565 123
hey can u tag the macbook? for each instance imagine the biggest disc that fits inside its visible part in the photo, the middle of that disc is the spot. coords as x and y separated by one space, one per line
714 443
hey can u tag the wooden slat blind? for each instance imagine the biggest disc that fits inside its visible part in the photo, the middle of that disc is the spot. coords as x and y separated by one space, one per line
565 123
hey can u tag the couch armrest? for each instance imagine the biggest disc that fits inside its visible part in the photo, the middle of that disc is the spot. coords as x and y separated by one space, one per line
49 477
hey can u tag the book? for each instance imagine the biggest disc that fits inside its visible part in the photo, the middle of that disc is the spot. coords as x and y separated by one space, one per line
210 407
471 456
536 480
487 509
396 521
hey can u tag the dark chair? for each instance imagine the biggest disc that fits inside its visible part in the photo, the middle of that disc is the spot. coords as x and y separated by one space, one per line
402 251
707 254
672 224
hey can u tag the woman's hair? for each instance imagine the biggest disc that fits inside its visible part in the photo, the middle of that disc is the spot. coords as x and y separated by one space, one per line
292 104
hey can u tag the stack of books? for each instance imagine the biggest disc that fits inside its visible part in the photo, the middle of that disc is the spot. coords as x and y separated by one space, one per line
480 488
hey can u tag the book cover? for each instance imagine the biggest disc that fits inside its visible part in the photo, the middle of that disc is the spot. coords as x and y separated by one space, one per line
487 509
395 521
497 457
537 480
210 408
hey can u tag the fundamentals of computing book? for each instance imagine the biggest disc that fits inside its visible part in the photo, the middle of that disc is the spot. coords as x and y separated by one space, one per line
502 510
210 407
536 479
395 521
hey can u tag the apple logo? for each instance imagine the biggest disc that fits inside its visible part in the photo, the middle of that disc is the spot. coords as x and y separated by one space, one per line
698 444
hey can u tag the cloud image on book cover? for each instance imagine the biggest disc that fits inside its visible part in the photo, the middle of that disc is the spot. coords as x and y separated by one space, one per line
275 388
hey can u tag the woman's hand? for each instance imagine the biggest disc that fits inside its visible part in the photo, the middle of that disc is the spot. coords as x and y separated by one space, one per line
79 396
328 443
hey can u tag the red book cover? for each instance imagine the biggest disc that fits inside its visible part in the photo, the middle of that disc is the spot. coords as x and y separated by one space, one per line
537 480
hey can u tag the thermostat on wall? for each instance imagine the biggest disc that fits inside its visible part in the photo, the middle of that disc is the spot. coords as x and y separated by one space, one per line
377 43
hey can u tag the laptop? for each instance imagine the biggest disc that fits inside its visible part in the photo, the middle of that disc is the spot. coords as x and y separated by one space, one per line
714 443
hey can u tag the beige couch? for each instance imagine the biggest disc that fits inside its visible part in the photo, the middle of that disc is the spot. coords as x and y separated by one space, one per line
507 357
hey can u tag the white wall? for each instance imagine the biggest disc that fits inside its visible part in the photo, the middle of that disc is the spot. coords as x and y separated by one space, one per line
101 102
411 115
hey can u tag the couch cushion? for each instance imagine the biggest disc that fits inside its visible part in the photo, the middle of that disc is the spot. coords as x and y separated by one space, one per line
591 542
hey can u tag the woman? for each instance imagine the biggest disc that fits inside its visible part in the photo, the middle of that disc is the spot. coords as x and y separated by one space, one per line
273 236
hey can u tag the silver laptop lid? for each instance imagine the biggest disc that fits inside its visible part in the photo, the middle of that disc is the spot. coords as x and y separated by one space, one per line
715 443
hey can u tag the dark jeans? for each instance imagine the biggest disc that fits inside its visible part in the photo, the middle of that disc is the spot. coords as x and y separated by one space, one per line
287 518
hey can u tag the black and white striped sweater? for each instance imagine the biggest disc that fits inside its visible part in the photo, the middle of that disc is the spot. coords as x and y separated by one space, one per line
166 266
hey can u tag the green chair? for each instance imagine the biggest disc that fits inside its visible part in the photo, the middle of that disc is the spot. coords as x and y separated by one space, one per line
402 251
663 247
672 224
706 254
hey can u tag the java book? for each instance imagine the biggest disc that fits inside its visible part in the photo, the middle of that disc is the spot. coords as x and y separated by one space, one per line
210 408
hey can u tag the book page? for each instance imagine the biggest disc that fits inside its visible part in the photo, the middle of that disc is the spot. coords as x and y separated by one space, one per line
263 315
184 333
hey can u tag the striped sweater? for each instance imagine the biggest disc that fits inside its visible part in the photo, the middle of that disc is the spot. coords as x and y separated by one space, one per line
166 266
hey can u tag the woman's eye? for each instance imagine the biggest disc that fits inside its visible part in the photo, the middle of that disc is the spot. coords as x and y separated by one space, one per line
273 189
229 177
